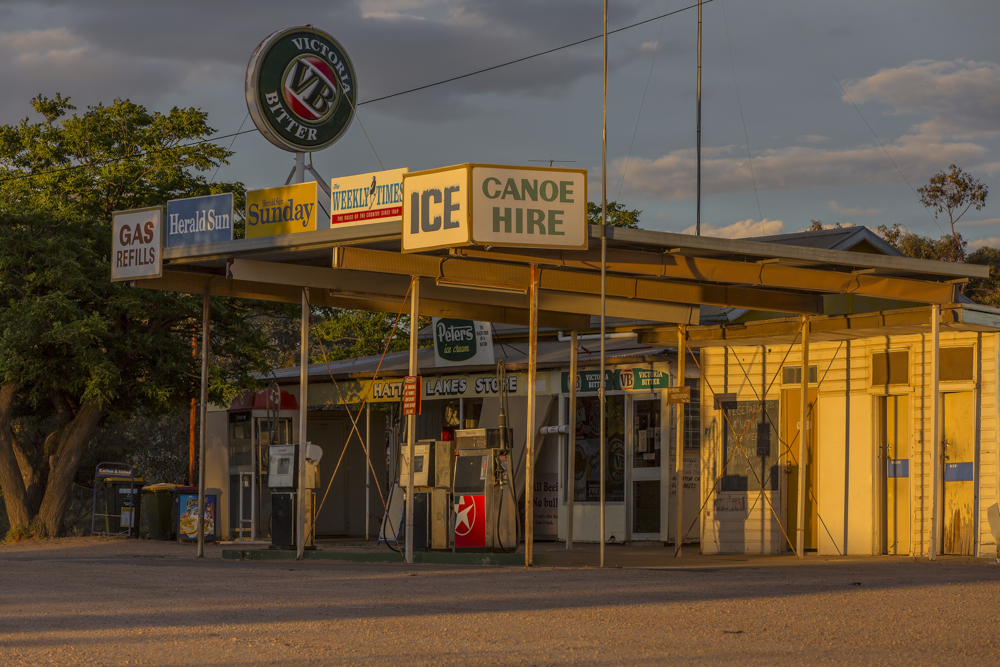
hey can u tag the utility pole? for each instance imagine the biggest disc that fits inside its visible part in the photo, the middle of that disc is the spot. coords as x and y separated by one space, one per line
697 223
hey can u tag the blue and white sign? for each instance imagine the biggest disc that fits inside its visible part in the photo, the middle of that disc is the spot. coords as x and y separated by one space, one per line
198 220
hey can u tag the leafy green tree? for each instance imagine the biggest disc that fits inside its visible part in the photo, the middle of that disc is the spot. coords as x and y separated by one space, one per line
75 349
985 290
618 215
948 248
953 192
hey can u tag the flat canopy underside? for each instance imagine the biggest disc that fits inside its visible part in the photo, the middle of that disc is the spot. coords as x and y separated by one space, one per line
651 276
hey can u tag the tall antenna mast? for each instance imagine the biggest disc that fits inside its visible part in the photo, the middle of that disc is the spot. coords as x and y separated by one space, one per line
697 223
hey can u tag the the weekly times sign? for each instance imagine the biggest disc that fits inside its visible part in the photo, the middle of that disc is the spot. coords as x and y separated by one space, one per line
367 198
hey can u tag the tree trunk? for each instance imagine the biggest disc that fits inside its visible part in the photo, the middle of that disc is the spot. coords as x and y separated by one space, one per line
73 440
11 480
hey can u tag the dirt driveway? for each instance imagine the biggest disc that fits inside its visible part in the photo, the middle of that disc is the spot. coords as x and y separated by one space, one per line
83 601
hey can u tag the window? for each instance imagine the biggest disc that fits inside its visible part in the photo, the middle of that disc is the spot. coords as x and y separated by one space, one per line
892 367
587 462
793 375
957 364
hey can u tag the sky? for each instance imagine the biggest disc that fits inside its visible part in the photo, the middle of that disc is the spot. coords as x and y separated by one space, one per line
811 110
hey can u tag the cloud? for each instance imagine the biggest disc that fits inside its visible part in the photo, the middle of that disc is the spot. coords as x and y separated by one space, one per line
864 212
981 223
813 139
961 96
992 242
742 229
724 170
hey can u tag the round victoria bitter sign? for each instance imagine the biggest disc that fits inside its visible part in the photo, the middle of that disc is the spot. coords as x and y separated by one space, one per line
301 89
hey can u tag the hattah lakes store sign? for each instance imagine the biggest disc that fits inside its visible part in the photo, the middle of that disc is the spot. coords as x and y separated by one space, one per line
476 385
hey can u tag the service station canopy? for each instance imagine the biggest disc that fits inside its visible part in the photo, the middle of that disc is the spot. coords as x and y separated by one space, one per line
657 276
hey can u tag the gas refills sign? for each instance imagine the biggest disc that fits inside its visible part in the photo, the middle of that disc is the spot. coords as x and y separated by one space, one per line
137 241
301 89
491 205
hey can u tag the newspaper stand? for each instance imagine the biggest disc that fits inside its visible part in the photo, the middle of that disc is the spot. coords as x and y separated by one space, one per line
111 472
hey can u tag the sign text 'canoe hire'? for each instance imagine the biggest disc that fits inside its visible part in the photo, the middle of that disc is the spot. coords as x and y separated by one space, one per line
492 205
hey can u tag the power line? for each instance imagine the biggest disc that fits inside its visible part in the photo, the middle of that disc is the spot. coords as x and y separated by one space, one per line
536 55
638 116
746 136
377 99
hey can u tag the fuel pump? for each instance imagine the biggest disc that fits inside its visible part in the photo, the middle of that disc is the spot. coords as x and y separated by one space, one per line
486 515
282 477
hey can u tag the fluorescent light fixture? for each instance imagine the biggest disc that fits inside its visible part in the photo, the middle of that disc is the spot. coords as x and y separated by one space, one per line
485 287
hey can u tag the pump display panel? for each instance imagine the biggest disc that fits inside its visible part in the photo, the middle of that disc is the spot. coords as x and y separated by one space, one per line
281 467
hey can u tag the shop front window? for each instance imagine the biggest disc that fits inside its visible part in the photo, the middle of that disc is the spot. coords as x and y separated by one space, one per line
587 482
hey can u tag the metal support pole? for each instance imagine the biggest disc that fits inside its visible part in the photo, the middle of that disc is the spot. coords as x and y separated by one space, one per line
411 422
192 451
572 442
368 465
602 443
697 223
300 537
679 455
529 457
204 429
936 476
300 167
800 537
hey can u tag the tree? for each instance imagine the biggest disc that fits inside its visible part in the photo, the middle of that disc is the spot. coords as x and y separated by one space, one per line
953 192
76 349
618 215
948 248
985 290
347 334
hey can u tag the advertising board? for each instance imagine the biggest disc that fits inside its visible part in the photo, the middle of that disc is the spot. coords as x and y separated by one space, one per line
285 210
367 198
198 220
136 243
462 342
494 205
301 89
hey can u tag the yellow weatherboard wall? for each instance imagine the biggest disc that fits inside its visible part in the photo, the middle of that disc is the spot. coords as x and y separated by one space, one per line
285 210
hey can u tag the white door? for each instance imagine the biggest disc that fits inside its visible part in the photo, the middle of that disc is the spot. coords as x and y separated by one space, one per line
644 440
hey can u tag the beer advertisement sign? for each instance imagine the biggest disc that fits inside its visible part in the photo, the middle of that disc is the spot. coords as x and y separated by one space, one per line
301 89
137 241
289 209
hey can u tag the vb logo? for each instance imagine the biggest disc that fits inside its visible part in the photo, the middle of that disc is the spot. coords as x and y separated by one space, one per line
435 209
309 87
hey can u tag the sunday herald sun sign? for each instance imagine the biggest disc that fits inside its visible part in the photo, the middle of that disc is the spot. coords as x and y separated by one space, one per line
137 243
478 204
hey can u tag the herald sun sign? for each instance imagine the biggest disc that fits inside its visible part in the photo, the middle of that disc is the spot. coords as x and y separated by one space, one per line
486 205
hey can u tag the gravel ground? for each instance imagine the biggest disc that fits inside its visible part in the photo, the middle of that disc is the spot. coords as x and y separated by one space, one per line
83 601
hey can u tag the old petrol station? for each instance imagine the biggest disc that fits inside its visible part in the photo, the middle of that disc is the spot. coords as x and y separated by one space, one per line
510 245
